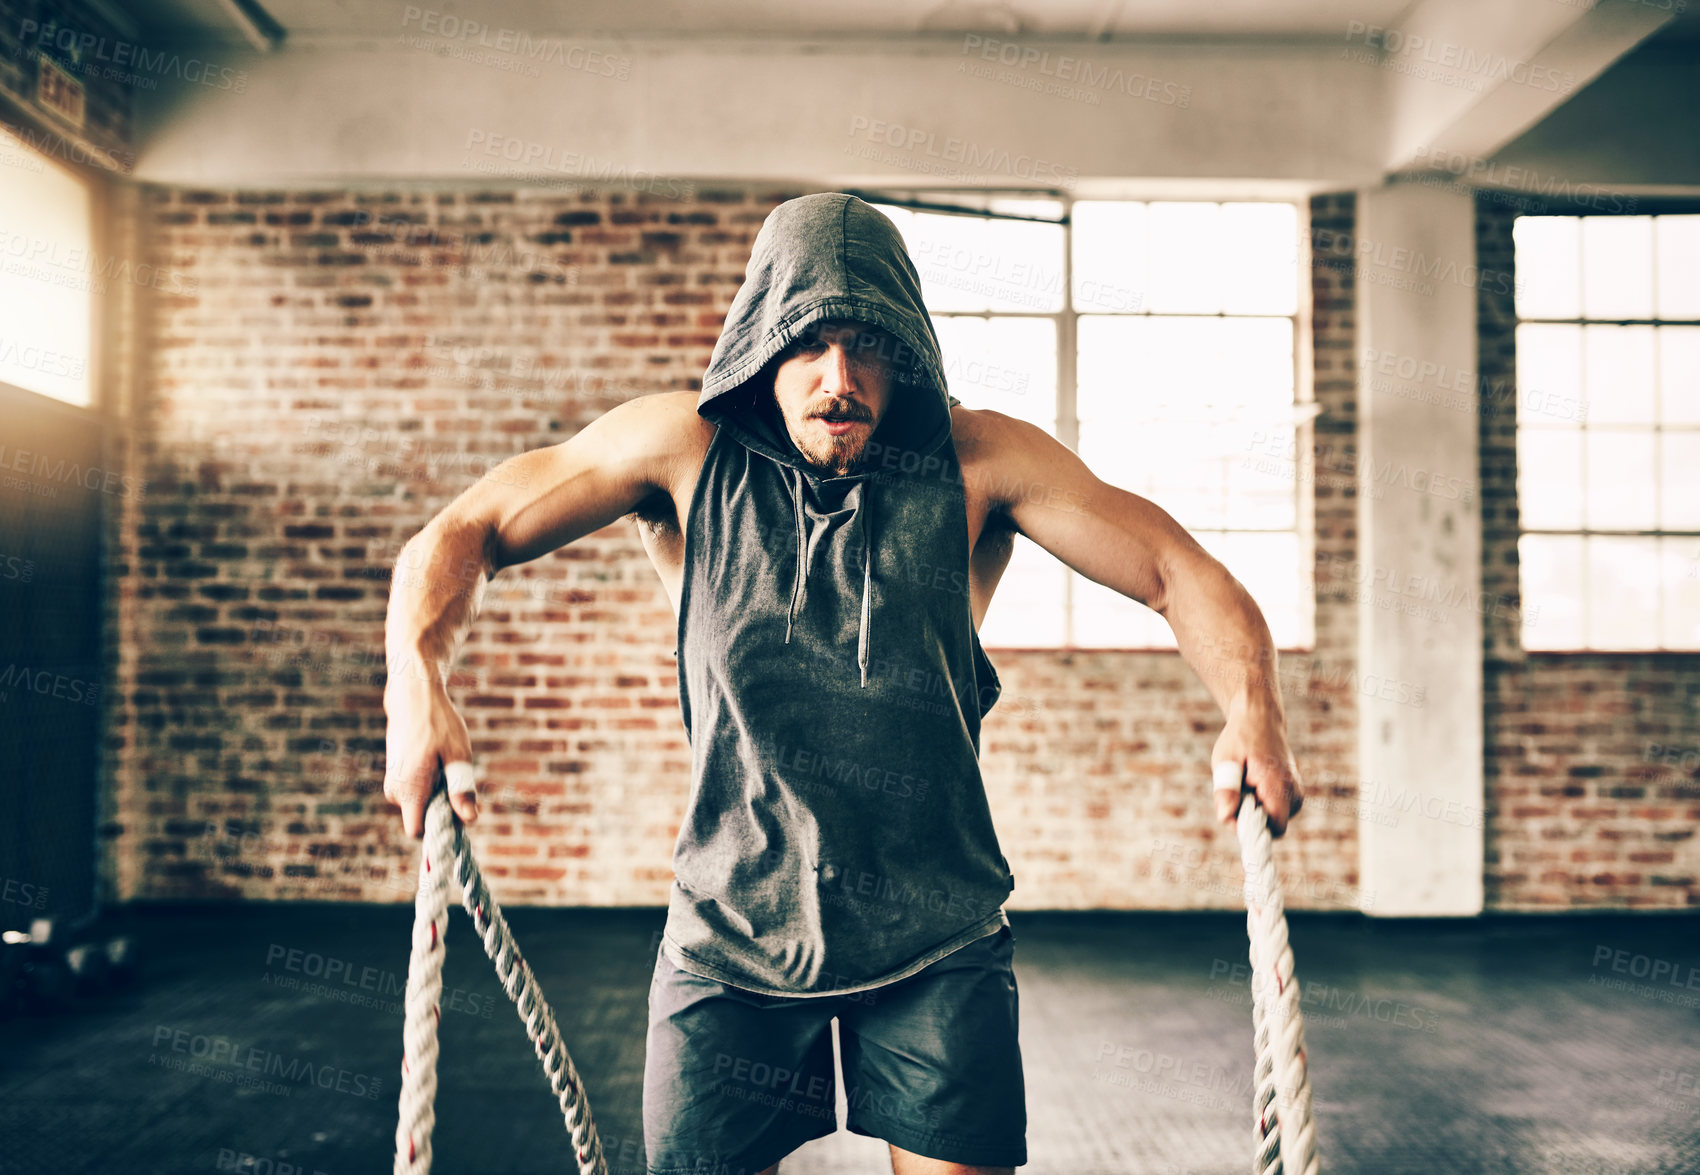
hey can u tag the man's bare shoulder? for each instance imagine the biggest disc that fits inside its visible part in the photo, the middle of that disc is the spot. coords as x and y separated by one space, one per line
1013 461
987 438
666 420
656 437
663 432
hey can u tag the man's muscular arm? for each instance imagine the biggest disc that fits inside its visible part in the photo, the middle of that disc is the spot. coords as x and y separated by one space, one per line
1133 546
525 507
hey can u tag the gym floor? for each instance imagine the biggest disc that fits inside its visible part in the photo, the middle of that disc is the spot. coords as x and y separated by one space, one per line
1519 1046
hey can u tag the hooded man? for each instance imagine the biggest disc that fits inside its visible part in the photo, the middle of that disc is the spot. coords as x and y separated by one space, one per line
830 524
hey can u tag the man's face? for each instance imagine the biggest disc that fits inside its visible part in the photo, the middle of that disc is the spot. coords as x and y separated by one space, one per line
832 388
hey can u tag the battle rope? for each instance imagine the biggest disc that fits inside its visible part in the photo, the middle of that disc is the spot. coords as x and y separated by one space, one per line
1284 1133
446 841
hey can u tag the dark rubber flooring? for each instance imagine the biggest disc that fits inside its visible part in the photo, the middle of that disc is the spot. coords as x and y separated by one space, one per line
266 1039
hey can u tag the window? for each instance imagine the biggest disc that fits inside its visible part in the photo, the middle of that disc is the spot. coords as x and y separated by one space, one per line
1157 340
1608 431
46 303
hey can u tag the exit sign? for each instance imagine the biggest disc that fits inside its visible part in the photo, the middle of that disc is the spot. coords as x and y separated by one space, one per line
57 91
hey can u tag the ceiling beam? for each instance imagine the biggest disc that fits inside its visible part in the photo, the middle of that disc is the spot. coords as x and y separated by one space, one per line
935 113
255 24
1465 78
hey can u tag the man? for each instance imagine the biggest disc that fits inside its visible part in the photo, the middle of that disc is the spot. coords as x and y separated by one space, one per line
829 524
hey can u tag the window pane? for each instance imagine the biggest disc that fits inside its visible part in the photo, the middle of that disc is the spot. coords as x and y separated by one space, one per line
971 263
1679 374
46 287
1618 382
1617 267
1619 480
1549 478
1178 466
1022 271
929 238
1256 357
1679 481
1193 413
1268 566
1104 618
901 217
1549 373
1681 620
1549 275
1110 260
1550 581
1262 493
1005 364
1027 608
1678 259
1183 367
1623 592
1186 258
1114 391
1261 258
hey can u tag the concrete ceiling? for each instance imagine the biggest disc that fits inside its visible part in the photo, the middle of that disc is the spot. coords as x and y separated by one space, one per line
1100 20
1305 93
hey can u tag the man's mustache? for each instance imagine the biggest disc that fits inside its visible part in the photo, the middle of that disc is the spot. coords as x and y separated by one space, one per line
848 412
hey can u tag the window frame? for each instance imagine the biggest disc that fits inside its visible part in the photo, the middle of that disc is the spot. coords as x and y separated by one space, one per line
1655 428
1067 417
102 317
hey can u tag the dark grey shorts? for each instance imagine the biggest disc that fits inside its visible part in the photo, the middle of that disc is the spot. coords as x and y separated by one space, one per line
734 1081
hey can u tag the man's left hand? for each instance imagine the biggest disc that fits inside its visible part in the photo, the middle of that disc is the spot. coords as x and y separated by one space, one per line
1258 741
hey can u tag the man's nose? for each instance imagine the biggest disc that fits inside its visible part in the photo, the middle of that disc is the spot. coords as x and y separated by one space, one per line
836 372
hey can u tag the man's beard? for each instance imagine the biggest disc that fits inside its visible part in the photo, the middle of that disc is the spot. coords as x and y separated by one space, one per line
840 454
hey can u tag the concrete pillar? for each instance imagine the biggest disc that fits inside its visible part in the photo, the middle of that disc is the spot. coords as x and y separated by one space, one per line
1419 579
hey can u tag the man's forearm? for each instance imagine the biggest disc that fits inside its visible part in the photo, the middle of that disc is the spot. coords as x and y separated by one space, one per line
1223 636
435 593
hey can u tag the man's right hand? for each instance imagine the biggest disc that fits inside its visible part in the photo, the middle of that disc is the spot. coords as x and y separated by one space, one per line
425 733
528 505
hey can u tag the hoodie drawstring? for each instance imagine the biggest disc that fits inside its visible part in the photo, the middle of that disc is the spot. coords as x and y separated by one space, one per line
862 640
802 543
799 581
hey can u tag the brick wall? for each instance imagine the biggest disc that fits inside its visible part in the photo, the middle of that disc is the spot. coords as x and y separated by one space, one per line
331 368
1593 759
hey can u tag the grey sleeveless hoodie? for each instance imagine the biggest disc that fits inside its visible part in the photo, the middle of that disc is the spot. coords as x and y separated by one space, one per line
831 682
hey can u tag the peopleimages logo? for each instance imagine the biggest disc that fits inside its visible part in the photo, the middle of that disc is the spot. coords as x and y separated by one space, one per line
124 61
1453 63
49 684
39 465
923 149
218 1056
517 42
1070 76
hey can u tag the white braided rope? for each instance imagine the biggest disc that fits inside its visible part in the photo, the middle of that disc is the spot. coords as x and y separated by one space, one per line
1284 1133
446 841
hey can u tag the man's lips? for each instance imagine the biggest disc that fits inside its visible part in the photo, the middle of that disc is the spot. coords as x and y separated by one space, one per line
838 425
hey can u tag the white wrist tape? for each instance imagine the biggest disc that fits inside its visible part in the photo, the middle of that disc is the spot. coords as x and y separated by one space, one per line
1226 776
461 778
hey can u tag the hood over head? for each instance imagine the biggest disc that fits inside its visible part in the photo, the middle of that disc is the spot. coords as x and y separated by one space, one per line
829 255
826 256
